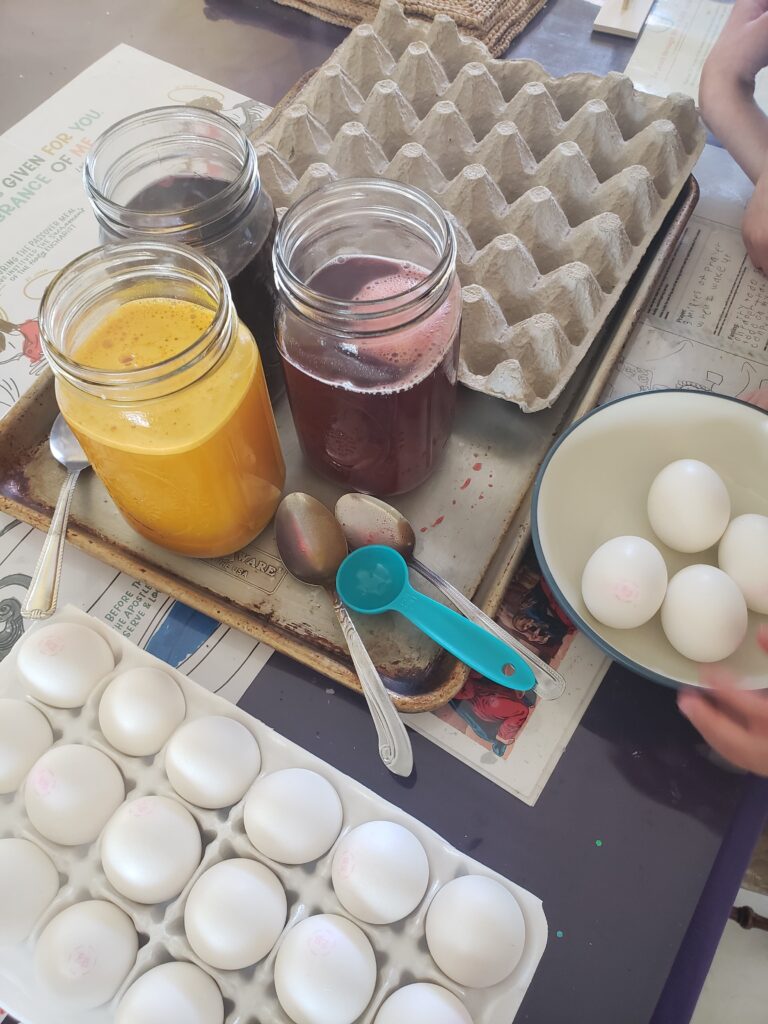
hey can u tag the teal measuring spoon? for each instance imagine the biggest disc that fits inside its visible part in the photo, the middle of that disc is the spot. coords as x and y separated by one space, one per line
374 579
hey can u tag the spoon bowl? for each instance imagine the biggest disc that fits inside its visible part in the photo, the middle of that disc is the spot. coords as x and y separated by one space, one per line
373 583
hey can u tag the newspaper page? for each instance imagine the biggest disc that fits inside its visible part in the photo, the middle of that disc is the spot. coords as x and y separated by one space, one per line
676 41
45 222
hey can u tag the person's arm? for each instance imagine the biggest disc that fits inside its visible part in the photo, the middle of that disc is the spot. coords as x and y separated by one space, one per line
734 722
727 89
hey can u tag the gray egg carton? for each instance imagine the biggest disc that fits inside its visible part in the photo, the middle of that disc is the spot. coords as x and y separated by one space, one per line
556 186
249 995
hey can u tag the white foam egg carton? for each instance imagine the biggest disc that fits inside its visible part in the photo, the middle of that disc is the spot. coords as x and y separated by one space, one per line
249 995
556 186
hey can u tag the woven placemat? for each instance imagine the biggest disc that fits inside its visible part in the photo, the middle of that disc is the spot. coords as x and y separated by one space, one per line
493 22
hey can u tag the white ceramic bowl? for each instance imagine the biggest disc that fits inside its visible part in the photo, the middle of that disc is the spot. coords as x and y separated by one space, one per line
593 486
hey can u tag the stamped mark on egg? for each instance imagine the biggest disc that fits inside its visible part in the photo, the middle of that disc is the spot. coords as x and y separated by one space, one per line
43 781
626 591
51 644
143 808
346 866
81 961
322 943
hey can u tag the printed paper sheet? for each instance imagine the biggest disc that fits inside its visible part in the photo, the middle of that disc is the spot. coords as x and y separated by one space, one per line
676 41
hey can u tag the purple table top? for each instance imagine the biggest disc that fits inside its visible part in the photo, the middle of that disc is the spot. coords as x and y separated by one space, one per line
641 913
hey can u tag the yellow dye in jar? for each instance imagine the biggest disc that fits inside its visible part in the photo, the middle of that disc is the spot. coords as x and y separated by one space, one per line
198 470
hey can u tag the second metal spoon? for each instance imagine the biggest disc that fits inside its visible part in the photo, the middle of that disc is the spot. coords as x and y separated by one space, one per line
367 520
312 546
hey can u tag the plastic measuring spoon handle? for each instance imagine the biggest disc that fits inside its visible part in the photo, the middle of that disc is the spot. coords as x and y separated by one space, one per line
549 684
475 646
394 743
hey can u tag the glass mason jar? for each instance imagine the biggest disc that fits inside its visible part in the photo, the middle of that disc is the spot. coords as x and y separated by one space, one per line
184 174
368 327
164 388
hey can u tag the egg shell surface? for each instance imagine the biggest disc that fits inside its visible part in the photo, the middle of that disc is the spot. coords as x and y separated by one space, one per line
28 883
85 953
150 849
325 971
293 816
475 931
71 792
380 872
235 913
704 615
689 506
60 664
25 734
173 993
140 709
211 761
743 555
624 582
421 1003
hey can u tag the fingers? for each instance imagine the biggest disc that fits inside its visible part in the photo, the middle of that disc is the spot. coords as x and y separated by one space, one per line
749 707
719 730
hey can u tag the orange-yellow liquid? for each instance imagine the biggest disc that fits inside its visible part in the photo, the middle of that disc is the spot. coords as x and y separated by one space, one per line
199 471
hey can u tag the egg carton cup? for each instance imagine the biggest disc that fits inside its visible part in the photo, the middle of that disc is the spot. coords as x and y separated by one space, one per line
249 995
556 186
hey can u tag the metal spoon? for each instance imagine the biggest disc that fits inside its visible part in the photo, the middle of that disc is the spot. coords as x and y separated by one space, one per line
312 546
367 520
43 591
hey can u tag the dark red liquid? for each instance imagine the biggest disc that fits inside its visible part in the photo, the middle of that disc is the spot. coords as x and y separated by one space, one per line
252 285
373 414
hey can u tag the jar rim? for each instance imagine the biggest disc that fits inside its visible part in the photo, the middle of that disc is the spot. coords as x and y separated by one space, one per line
353 310
147 259
241 186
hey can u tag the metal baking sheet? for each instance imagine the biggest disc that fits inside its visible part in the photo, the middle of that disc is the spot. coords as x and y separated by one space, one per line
470 517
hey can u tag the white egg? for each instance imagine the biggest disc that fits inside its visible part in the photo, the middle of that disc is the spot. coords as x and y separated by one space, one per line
423 1003
624 582
173 993
150 849
28 883
689 506
475 931
85 953
704 614
25 734
71 792
234 914
380 872
293 816
325 971
212 761
743 554
140 709
60 664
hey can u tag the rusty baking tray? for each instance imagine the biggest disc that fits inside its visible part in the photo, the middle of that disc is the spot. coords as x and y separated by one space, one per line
471 517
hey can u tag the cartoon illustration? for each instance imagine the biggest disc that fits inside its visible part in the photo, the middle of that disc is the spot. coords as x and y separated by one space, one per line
248 114
493 715
11 622
21 341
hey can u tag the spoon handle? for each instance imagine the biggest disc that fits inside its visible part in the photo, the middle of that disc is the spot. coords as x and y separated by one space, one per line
481 650
394 743
549 684
43 591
